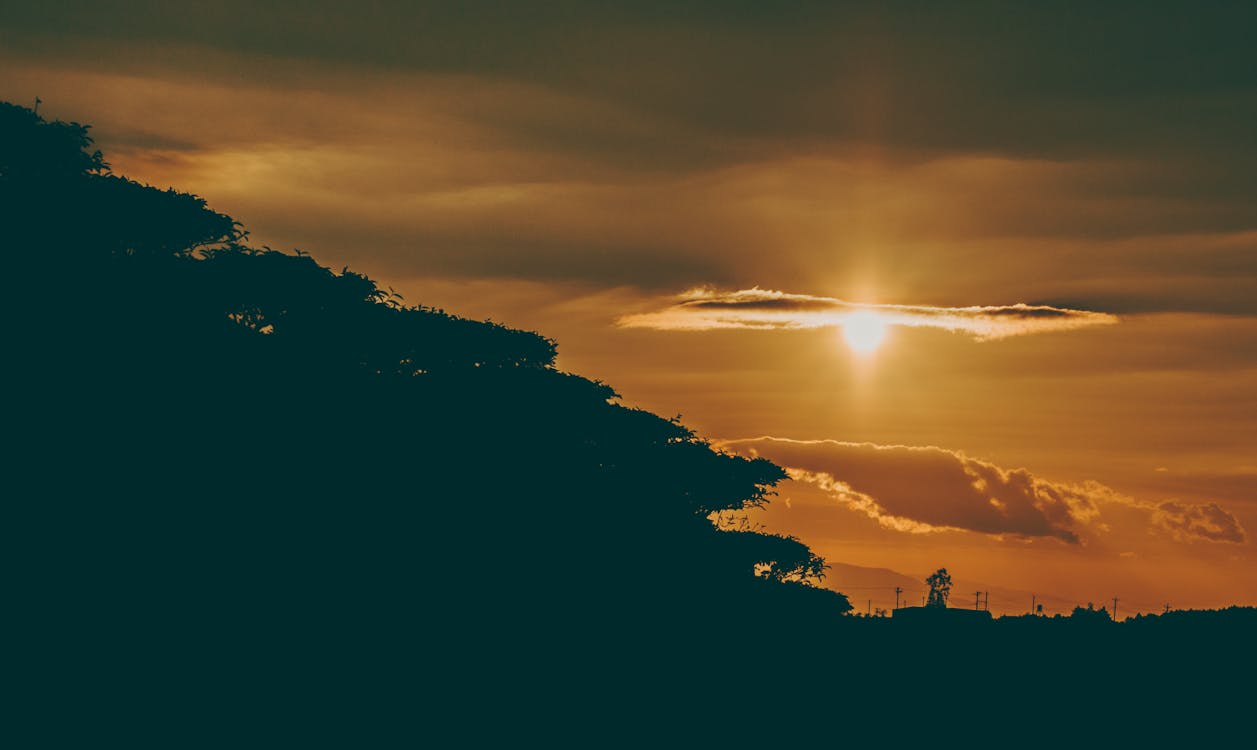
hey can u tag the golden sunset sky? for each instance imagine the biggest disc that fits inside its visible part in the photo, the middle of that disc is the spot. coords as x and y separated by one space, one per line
983 277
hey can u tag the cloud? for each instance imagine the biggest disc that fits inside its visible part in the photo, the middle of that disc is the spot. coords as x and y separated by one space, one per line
926 489
1181 520
410 172
705 309
856 71
1207 522
922 489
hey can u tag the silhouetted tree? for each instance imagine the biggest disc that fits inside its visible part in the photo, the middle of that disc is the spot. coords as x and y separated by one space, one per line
1090 615
233 434
940 588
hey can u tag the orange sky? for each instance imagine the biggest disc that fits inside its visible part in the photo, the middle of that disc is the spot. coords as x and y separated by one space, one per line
561 170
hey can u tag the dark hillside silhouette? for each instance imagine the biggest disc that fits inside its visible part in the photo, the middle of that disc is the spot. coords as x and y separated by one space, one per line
250 483
244 459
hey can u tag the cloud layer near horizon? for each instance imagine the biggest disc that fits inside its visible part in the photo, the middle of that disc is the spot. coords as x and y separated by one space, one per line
707 309
920 489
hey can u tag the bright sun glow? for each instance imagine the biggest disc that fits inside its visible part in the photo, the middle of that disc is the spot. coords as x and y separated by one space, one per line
864 331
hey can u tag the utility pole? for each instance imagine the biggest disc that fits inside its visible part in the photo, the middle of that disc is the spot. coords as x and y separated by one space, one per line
977 600
1032 601
987 597
38 101
898 591
1115 609
870 610
1167 608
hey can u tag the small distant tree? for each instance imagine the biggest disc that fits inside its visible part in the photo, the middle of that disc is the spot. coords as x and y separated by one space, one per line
940 588
1090 614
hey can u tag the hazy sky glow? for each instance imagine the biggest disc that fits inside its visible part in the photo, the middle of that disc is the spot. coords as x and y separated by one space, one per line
1084 174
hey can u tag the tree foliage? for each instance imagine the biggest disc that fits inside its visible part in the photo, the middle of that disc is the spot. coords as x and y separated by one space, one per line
244 433
1089 615
940 588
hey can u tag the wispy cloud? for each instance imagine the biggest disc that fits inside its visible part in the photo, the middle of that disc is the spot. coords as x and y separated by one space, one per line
704 309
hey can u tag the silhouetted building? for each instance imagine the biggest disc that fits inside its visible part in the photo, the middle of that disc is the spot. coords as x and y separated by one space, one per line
939 615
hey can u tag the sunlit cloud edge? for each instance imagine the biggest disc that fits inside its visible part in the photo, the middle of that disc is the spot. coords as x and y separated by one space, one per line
704 308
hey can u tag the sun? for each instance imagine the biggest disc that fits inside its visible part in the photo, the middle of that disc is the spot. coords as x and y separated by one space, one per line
864 331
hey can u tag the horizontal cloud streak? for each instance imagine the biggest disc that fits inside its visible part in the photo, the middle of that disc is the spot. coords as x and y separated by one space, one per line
924 489
765 309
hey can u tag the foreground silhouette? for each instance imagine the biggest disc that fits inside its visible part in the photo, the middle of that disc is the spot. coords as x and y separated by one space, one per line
271 486
257 460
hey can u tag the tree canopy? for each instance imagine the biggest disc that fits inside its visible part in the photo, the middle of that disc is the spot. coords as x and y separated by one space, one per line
230 433
940 588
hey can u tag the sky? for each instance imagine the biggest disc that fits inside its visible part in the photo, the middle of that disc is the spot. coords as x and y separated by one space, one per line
982 277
